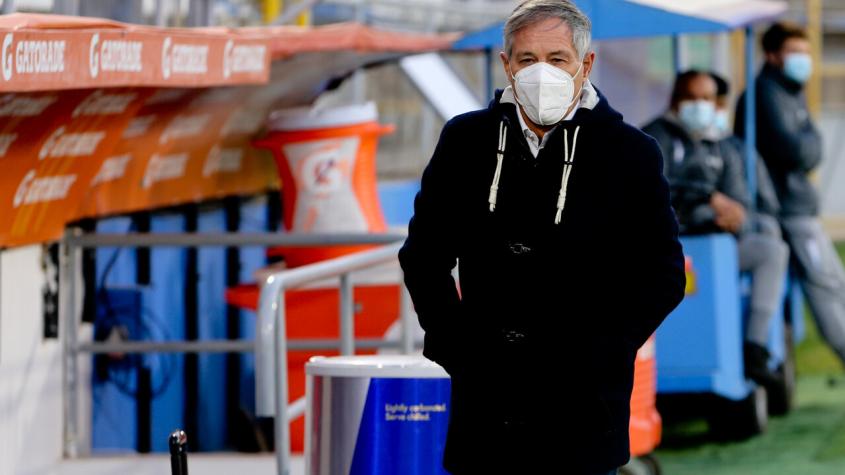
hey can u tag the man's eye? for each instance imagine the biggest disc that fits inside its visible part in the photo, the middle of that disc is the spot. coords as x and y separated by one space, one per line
557 60
526 61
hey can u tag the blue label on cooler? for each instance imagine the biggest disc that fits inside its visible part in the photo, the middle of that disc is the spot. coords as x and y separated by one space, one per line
403 427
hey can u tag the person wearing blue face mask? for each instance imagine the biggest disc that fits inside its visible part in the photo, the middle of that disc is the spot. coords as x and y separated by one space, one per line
710 195
791 147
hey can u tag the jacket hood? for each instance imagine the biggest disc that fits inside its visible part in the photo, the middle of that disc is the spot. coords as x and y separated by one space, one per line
595 113
602 112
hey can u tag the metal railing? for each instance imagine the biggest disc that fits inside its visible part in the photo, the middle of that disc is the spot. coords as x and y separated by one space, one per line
271 342
271 313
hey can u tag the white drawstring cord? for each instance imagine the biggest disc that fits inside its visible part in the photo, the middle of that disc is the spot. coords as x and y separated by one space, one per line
500 156
568 161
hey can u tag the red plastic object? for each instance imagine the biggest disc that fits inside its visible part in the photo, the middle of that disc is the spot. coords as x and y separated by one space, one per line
646 426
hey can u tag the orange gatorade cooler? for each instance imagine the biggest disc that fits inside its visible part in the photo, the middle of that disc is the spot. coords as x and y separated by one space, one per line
327 165
326 159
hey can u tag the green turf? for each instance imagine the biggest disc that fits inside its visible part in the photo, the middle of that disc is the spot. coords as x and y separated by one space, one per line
809 441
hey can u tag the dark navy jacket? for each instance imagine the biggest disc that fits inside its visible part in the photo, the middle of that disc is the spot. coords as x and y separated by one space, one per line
541 339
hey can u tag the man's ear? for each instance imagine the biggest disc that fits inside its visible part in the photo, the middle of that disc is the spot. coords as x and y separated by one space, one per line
775 59
505 64
589 61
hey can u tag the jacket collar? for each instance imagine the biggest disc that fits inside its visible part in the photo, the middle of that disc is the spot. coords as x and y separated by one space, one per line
776 74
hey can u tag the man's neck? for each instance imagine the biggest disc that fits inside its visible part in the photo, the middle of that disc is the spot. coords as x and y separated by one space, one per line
539 130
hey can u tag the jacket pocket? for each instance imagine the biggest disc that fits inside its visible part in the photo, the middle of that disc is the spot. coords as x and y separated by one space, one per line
443 349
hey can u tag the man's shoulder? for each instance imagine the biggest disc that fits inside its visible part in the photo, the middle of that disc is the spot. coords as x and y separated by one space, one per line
469 121
635 138
638 149
768 87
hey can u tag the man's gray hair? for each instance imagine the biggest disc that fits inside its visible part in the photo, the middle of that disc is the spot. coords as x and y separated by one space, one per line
533 11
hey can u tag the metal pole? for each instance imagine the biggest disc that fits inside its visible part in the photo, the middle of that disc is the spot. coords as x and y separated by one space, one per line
67 322
141 347
406 315
143 411
230 239
226 346
265 346
178 443
347 316
160 16
280 375
677 54
359 84
488 75
199 13
66 7
750 118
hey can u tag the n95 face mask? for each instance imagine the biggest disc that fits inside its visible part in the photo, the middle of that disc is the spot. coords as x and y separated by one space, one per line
545 92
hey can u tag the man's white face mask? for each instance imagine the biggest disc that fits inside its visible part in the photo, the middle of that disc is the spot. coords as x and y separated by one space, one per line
545 92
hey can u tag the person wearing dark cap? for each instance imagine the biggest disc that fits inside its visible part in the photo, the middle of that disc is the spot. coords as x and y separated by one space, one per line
557 214
710 195
791 147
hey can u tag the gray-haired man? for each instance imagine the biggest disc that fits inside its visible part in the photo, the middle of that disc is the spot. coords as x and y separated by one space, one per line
529 195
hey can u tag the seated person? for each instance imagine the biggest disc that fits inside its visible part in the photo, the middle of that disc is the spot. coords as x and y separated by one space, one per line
709 193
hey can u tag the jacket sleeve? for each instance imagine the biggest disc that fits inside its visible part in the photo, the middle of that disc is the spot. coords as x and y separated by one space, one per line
690 184
767 199
656 281
429 253
786 143
690 188
734 183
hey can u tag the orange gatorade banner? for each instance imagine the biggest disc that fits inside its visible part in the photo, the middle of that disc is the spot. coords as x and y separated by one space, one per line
183 146
44 52
102 118
49 164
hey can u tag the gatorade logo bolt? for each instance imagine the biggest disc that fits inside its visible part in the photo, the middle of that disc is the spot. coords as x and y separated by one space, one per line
7 57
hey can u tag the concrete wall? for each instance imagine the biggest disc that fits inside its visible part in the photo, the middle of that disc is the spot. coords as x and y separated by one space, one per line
30 370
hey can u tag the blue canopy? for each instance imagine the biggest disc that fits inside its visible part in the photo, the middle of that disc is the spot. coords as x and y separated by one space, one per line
640 18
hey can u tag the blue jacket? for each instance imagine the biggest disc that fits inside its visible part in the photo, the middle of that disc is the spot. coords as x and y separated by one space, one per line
544 331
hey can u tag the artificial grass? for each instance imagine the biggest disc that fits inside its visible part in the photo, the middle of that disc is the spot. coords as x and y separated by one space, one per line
808 441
